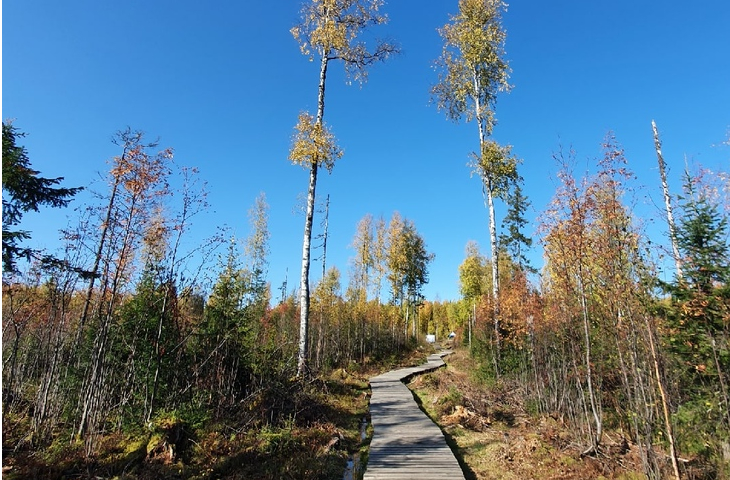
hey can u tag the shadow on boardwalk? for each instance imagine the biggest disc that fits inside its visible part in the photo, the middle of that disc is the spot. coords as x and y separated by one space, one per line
406 443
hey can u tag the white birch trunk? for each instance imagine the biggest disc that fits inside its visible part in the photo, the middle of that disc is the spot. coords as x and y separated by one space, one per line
304 281
489 193
495 265
307 243
667 200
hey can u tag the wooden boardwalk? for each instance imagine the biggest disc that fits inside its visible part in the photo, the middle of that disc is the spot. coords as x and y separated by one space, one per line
406 443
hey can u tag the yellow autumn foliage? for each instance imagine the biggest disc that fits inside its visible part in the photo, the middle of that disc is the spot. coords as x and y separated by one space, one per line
313 144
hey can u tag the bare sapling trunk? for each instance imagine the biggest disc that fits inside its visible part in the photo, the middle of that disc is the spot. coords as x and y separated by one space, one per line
171 277
93 389
663 395
325 232
720 376
49 379
97 257
594 402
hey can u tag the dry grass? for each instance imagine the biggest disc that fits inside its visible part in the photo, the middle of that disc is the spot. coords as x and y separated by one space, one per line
495 438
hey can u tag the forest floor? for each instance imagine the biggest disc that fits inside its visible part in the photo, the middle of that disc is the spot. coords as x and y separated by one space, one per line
490 429
316 439
319 433
495 437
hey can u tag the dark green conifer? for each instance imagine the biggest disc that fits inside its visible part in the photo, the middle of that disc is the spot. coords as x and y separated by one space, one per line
24 191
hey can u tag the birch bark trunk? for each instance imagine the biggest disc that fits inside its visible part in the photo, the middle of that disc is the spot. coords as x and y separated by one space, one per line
495 274
306 244
489 193
667 200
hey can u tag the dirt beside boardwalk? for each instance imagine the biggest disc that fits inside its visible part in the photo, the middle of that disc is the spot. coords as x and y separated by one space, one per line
495 437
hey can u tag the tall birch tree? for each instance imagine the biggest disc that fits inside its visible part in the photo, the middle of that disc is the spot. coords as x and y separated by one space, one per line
473 71
329 30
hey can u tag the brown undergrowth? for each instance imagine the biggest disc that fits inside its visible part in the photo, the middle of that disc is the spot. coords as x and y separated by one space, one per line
320 431
495 437
314 442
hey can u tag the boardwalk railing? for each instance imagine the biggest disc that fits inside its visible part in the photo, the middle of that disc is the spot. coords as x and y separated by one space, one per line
406 444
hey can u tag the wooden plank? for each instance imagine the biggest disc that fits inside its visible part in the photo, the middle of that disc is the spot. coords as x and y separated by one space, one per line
406 444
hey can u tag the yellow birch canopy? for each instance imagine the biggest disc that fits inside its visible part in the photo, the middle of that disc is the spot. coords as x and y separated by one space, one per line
472 65
331 29
313 144
496 165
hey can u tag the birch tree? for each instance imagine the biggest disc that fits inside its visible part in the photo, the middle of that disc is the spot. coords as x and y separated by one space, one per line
257 251
472 282
314 146
396 259
471 273
379 257
497 168
472 72
329 30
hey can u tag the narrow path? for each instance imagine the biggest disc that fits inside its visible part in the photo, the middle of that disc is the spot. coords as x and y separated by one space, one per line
406 443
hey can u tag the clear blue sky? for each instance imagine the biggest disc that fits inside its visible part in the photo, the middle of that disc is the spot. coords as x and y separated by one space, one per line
223 82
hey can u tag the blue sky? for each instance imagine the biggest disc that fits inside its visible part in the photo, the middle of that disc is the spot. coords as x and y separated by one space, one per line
223 82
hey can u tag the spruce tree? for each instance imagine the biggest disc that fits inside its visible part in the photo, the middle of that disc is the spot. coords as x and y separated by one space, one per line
24 191
702 295
514 240
698 327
